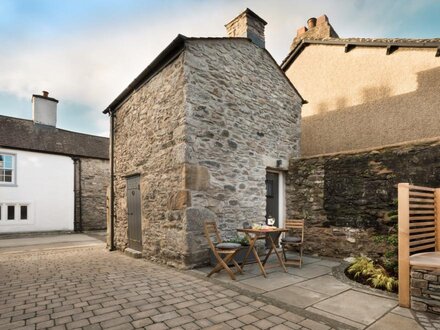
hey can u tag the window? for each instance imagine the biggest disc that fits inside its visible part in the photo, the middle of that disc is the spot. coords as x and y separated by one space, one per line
7 168
23 212
14 213
11 212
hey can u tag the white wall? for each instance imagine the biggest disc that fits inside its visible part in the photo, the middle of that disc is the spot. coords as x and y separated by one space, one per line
45 183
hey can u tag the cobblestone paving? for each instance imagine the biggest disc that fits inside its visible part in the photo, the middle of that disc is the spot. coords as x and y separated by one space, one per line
91 288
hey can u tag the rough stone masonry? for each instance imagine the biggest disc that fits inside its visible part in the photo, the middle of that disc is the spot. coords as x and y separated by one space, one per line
345 198
201 134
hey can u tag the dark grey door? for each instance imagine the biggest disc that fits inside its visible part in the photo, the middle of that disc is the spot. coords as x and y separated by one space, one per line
272 197
134 213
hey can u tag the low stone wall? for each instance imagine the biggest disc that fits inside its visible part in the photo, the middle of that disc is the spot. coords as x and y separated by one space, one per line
425 290
345 198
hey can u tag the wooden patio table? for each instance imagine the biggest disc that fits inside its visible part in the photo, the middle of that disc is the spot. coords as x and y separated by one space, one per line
255 234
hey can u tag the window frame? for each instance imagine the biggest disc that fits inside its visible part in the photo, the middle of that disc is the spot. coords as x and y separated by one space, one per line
13 183
17 213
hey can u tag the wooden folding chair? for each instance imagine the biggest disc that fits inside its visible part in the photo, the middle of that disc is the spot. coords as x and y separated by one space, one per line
293 238
220 248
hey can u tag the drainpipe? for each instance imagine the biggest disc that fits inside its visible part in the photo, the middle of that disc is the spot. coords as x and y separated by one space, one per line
77 210
112 192
80 195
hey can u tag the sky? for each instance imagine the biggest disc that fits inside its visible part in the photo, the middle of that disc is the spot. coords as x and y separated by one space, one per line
85 52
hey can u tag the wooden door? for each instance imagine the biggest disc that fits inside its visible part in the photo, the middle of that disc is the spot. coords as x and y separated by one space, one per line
272 197
134 213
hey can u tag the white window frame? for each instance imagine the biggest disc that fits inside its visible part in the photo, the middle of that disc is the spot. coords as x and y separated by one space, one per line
14 170
17 214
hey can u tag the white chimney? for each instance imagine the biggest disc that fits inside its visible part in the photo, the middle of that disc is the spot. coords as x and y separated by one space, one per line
44 109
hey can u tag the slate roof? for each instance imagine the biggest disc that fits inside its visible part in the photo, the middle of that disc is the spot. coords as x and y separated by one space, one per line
364 42
167 56
24 134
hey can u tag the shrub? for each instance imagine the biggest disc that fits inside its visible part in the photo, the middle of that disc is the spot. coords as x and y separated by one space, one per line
364 270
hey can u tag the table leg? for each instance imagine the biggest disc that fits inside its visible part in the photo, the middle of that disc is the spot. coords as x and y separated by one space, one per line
273 246
263 271
268 252
252 241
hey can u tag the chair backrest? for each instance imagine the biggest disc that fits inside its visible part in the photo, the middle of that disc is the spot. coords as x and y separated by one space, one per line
211 229
295 225
417 218
418 229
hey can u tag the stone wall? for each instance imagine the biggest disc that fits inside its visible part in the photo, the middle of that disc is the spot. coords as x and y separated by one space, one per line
95 178
242 116
345 198
425 290
201 134
149 140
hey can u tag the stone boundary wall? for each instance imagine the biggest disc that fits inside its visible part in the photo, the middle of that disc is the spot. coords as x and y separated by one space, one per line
95 178
425 290
345 198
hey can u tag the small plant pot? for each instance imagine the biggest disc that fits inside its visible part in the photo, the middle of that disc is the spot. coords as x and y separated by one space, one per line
239 257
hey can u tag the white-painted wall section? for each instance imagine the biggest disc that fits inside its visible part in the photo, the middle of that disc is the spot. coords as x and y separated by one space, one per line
44 183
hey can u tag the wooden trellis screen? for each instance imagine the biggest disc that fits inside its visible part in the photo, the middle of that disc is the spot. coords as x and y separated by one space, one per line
419 230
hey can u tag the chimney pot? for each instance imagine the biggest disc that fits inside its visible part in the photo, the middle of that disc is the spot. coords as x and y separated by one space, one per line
301 31
45 94
311 22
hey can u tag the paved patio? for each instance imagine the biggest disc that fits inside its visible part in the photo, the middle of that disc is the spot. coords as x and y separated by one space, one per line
315 290
87 287
91 288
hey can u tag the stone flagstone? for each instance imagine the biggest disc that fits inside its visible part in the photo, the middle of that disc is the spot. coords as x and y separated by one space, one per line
357 306
324 284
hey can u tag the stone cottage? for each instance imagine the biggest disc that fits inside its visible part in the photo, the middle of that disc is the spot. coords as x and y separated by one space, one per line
205 132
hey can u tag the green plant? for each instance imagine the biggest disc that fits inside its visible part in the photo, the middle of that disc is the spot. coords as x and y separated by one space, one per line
380 279
364 269
361 267
243 240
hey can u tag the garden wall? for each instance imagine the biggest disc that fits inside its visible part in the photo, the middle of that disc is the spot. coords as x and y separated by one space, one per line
345 198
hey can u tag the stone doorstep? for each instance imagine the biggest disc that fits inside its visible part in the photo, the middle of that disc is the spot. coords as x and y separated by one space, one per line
133 253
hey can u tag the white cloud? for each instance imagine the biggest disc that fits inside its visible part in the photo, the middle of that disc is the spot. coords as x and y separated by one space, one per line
93 64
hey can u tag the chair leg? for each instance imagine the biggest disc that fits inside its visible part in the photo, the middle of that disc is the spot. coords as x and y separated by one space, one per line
300 255
222 264
237 266
284 252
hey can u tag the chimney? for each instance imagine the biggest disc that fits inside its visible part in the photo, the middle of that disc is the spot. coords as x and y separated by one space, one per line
317 28
44 109
247 25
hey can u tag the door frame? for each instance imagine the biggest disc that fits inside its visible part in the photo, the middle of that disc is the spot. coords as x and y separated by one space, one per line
281 195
